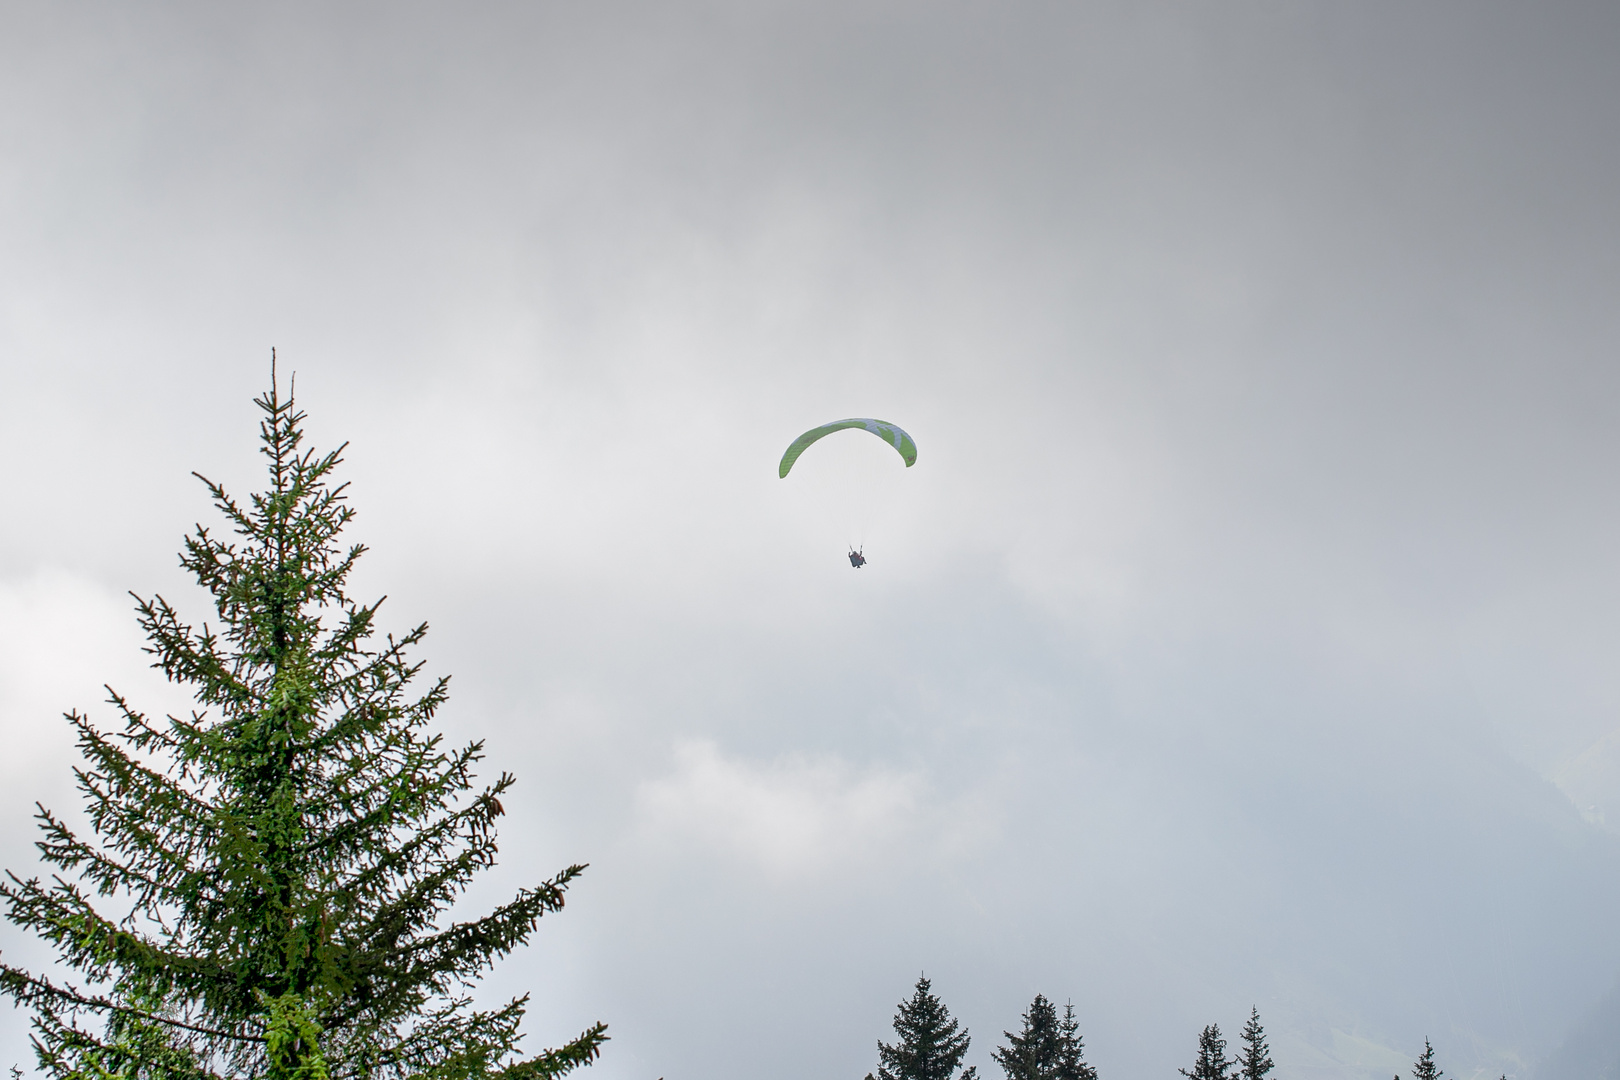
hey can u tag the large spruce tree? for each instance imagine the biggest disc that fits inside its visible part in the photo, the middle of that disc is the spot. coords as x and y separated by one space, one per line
264 884
930 1046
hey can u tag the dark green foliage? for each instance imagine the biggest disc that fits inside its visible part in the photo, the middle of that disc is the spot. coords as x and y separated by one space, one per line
1032 1054
1424 1067
1212 1063
1254 1061
930 1047
1071 1062
280 862
1048 1048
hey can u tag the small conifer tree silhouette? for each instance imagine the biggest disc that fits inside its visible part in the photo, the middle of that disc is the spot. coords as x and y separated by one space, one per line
930 1046
1212 1062
1254 1059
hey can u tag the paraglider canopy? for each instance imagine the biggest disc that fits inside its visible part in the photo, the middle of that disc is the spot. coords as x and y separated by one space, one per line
889 433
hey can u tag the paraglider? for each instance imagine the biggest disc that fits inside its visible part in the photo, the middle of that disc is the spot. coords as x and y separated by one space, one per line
892 434
889 433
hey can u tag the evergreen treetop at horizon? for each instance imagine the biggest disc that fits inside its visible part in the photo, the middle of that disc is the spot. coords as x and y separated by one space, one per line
1071 1060
930 1046
1212 1062
1254 1059
264 885
1048 1048
1032 1054
1424 1068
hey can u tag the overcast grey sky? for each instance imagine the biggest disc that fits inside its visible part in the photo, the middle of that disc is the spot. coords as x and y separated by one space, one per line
1244 634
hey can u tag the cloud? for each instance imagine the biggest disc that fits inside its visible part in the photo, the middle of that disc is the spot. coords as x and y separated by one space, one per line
791 817
1262 373
61 637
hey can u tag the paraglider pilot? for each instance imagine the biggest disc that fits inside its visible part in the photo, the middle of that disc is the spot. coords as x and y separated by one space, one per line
856 559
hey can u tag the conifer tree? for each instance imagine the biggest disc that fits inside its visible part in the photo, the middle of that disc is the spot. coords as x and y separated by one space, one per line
1071 1062
930 1047
1424 1067
1034 1053
280 862
1254 1060
1212 1062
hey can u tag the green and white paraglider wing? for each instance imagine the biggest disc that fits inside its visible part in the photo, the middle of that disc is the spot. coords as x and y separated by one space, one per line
889 433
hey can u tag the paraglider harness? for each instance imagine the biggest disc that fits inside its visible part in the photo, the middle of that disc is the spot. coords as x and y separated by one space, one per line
856 559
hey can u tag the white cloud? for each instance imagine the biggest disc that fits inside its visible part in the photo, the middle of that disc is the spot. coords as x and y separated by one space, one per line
60 636
796 815
63 639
